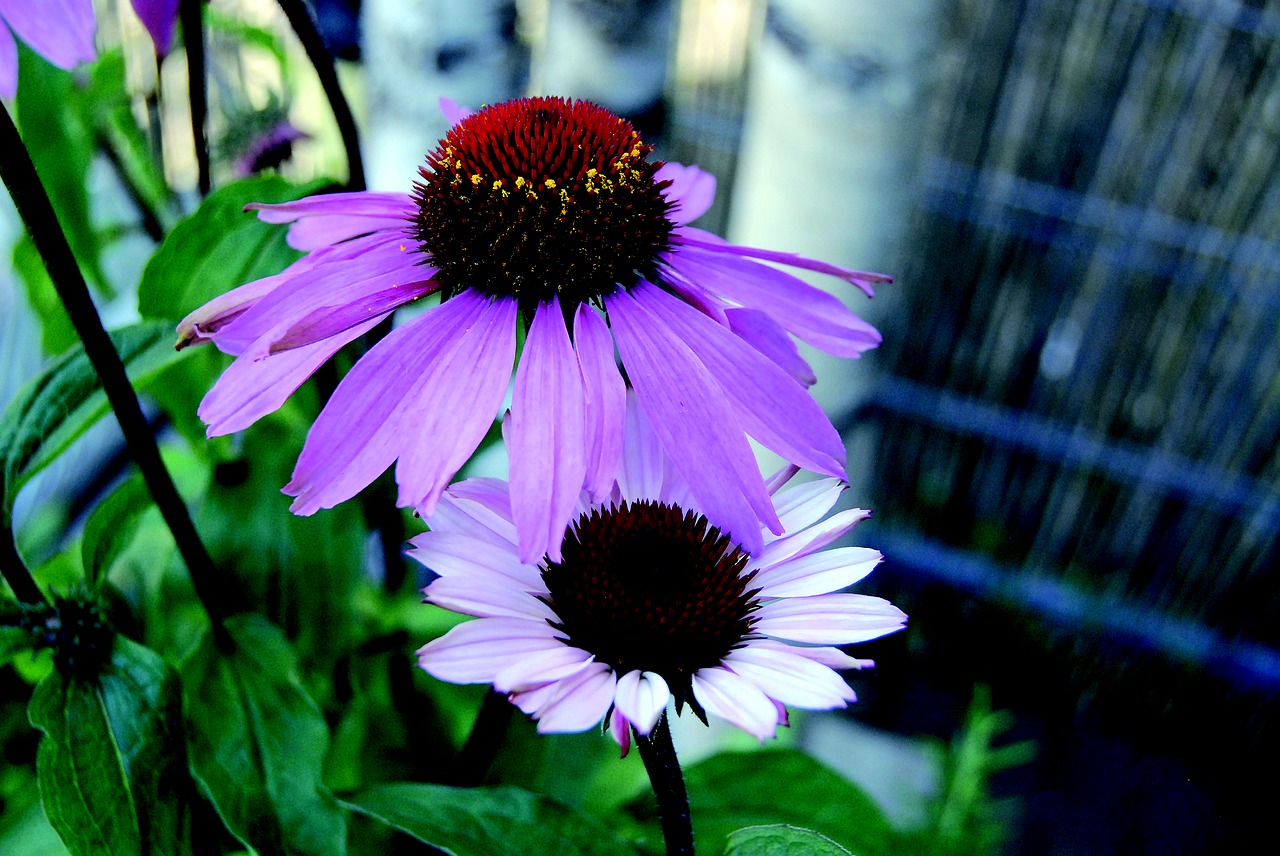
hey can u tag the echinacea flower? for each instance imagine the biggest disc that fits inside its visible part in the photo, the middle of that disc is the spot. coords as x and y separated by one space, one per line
545 210
61 31
158 17
650 603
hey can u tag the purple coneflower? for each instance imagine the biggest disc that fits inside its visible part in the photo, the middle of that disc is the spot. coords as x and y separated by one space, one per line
651 602
158 17
546 210
61 31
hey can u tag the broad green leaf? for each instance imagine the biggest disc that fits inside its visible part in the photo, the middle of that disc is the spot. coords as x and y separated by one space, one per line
60 139
57 333
14 641
778 786
111 762
111 527
219 247
781 840
489 821
61 403
258 743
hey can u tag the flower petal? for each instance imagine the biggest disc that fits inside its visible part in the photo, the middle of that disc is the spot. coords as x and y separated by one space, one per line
802 505
789 678
642 697
547 442
530 670
606 401
330 218
769 338
475 651
447 553
641 476
773 408
158 17
736 700
453 112
691 191
861 278
8 63
817 573
698 429
250 389
480 508
485 596
457 398
829 619
809 540
61 31
359 432
329 321
580 701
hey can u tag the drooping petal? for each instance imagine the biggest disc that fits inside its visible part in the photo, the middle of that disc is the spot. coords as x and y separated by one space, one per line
768 337
158 17
458 396
788 677
772 407
61 31
531 670
8 63
204 323
547 442
817 573
580 701
808 540
475 651
829 619
642 697
691 191
620 728
480 508
736 700
329 321
698 429
606 401
832 658
330 218
802 505
358 433
863 279
250 389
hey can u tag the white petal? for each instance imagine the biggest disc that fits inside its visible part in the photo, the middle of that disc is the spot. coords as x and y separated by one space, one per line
551 664
802 505
472 653
736 700
829 619
449 553
580 701
818 573
487 596
809 540
789 678
642 697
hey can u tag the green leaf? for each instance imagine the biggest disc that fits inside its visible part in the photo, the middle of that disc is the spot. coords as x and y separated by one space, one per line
111 527
219 247
489 821
258 743
778 786
14 641
111 763
59 405
781 840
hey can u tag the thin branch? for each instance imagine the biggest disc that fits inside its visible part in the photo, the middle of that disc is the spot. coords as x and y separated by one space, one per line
36 211
14 570
660 762
303 23
191 13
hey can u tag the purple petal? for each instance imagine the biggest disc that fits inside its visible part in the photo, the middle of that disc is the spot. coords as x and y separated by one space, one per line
606 401
789 678
546 445
691 190
366 423
479 508
695 424
829 619
772 407
802 505
809 540
332 320
486 596
861 278
448 553
330 218
532 670
641 476
768 337
158 17
205 323
250 389
61 31
642 697
457 397
453 112
805 310
620 729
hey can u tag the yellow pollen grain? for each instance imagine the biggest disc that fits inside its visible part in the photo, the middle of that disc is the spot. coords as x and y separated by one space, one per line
497 184
549 183
520 182
476 179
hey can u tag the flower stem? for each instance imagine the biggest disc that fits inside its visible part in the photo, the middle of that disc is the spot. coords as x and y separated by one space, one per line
36 211
191 13
660 762
13 569
304 26
484 741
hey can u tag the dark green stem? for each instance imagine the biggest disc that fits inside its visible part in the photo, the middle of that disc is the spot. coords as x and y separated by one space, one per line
191 14
13 569
304 26
660 762
484 741
33 205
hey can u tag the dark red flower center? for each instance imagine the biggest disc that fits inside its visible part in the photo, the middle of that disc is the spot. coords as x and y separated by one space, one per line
542 196
650 586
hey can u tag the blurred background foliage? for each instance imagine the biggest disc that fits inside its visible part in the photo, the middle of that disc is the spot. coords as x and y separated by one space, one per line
1069 436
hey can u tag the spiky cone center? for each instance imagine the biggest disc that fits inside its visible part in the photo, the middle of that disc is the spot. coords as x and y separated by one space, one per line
650 586
538 197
